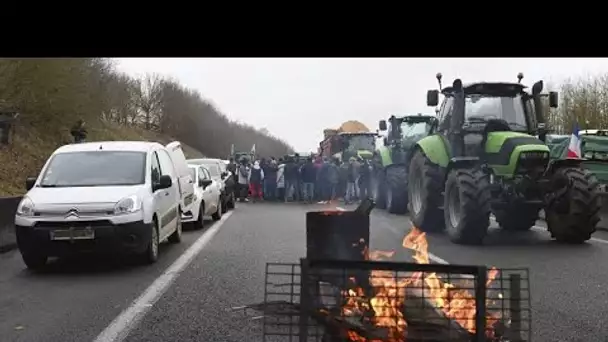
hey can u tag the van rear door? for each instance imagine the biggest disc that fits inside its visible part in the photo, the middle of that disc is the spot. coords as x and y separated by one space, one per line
186 183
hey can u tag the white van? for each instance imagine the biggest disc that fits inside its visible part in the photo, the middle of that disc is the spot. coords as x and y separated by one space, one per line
185 181
103 197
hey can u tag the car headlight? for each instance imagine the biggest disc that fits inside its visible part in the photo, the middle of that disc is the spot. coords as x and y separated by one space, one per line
25 207
127 205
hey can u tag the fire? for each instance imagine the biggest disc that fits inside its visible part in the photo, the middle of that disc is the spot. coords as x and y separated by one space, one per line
389 295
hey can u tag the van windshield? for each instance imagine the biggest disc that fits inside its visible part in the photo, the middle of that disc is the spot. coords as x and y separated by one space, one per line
95 168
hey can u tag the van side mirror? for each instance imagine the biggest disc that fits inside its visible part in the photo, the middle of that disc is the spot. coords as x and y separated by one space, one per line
382 125
432 98
30 182
164 182
205 183
553 99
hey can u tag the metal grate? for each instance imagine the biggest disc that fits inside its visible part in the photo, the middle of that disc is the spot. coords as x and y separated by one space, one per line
335 301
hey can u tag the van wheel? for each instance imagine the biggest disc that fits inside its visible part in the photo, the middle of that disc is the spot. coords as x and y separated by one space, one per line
176 237
34 261
218 213
224 205
200 222
151 254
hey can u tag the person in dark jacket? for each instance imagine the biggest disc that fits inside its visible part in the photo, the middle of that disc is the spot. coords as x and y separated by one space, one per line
364 179
299 163
264 165
292 176
309 176
270 179
351 181
232 168
333 176
318 162
79 132
342 180
256 179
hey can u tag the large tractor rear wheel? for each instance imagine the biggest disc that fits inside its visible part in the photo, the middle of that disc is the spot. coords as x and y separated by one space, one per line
517 218
573 214
425 186
396 189
467 206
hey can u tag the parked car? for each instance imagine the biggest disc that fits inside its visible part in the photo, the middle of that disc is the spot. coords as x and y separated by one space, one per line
225 178
207 197
185 180
101 197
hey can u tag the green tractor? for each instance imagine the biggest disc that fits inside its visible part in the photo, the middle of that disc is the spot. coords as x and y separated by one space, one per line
390 161
594 147
482 158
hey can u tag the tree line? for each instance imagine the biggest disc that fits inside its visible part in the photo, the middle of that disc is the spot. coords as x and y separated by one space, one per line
583 100
52 94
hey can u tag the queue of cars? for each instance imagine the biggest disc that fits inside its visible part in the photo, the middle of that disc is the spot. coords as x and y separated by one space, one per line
114 197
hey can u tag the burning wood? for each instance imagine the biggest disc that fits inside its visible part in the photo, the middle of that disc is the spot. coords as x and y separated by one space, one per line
363 304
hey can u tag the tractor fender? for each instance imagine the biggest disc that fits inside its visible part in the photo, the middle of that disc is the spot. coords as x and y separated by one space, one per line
435 149
462 163
555 164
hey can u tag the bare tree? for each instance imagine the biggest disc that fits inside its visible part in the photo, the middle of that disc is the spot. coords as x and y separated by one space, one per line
149 99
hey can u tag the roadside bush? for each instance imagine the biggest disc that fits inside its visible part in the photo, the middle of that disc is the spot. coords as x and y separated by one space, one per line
52 94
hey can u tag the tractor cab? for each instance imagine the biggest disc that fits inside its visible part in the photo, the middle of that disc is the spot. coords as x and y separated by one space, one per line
469 113
404 132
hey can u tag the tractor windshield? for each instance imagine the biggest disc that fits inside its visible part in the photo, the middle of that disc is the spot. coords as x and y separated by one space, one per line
510 109
414 131
361 142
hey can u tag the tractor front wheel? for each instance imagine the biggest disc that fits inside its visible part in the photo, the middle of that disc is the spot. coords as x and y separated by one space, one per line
573 214
396 189
467 206
425 185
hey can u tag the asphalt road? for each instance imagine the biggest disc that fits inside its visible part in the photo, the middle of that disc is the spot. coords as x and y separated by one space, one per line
77 300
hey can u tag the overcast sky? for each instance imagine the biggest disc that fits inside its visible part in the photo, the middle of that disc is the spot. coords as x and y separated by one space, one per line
296 98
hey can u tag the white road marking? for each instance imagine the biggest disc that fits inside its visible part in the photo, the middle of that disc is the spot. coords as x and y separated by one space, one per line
120 327
544 230
340 209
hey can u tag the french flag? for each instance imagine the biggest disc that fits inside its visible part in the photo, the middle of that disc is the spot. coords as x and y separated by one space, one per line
574 149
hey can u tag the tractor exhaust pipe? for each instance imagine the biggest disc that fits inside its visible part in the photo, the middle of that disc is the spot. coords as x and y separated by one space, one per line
456 137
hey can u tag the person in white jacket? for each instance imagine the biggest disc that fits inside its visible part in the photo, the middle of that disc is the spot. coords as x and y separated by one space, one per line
256 179
281 181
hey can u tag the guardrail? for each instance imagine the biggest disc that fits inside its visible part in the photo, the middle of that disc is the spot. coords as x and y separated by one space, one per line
8 207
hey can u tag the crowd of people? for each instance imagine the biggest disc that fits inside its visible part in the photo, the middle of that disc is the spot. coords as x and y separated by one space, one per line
294 179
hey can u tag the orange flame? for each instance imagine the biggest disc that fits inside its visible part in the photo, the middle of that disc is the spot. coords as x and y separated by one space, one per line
389 297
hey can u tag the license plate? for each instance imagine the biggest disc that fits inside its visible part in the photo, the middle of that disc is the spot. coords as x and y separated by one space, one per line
73 234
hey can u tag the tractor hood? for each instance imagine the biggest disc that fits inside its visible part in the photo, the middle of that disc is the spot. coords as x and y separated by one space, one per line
501 146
